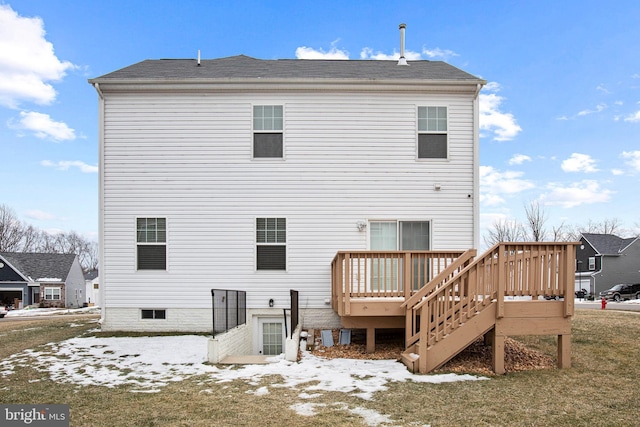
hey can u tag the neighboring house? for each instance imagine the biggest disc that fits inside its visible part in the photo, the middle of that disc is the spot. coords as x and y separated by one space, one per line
605 260
53 280
92 282
248 174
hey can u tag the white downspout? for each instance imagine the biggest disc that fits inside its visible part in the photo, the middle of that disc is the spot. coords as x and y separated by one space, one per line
101 266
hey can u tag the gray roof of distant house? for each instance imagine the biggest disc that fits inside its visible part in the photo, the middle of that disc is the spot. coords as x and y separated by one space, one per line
41 265
607 244
91 274
244 67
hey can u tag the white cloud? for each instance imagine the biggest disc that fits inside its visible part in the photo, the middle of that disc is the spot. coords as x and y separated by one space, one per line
27 60
519 159
503 125
575 194
599 108
603 89
617 171
368 53
39 215
635 117
494 184
67 164
43 126
632 159
445 54
304 52
579 163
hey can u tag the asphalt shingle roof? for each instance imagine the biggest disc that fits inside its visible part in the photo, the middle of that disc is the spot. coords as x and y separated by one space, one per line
607 244
41 265
245 67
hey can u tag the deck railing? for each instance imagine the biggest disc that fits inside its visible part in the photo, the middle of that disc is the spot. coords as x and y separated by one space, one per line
384 274
506 270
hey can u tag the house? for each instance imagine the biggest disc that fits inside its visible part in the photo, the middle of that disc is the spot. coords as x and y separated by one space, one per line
53 280
92 287
605 260
268 176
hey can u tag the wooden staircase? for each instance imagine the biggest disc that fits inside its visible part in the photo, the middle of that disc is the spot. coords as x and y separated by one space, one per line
467 301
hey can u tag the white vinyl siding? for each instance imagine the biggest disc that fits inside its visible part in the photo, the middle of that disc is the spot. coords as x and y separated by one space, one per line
349 158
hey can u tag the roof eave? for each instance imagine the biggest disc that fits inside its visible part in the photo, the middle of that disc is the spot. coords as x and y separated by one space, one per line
257 84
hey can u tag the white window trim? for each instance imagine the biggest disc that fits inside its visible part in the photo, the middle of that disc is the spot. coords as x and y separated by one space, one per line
53 288
165 243
447 132
590 265
398 236
257 332
256 243
284 139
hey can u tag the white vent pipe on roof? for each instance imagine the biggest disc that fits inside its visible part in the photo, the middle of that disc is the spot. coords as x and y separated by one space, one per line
402 60
198 57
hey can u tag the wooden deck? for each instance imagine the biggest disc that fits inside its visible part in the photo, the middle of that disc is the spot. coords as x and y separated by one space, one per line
446 300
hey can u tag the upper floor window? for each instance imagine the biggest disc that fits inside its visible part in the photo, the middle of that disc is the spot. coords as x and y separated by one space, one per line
151 237
267 131
432 133
271 239
592 263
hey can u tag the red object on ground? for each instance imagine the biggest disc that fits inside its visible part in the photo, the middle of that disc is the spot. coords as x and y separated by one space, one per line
604 303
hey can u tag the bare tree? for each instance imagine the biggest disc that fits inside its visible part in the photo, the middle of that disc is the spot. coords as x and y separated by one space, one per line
504 230
608 226
611 226
16 236
11 230
536 219
564 233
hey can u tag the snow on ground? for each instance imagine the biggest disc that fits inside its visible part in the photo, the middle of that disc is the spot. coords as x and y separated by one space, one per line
27 312
153 362
149 363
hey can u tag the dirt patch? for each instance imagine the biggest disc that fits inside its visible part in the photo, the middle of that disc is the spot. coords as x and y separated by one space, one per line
475 359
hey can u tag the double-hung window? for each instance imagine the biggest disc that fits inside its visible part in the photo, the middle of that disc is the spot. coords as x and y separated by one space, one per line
592 263
52 294
267 131
151 236
432 133
271 244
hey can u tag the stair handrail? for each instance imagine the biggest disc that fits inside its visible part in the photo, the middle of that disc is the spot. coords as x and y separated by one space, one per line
488 254
437 281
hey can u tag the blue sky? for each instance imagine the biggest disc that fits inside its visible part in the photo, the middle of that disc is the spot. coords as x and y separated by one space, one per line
560 116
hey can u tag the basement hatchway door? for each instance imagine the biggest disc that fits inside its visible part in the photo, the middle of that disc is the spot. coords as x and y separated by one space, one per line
271 336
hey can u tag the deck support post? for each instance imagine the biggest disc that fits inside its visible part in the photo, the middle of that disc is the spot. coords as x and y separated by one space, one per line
497 350
371 340
564 351
488 339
